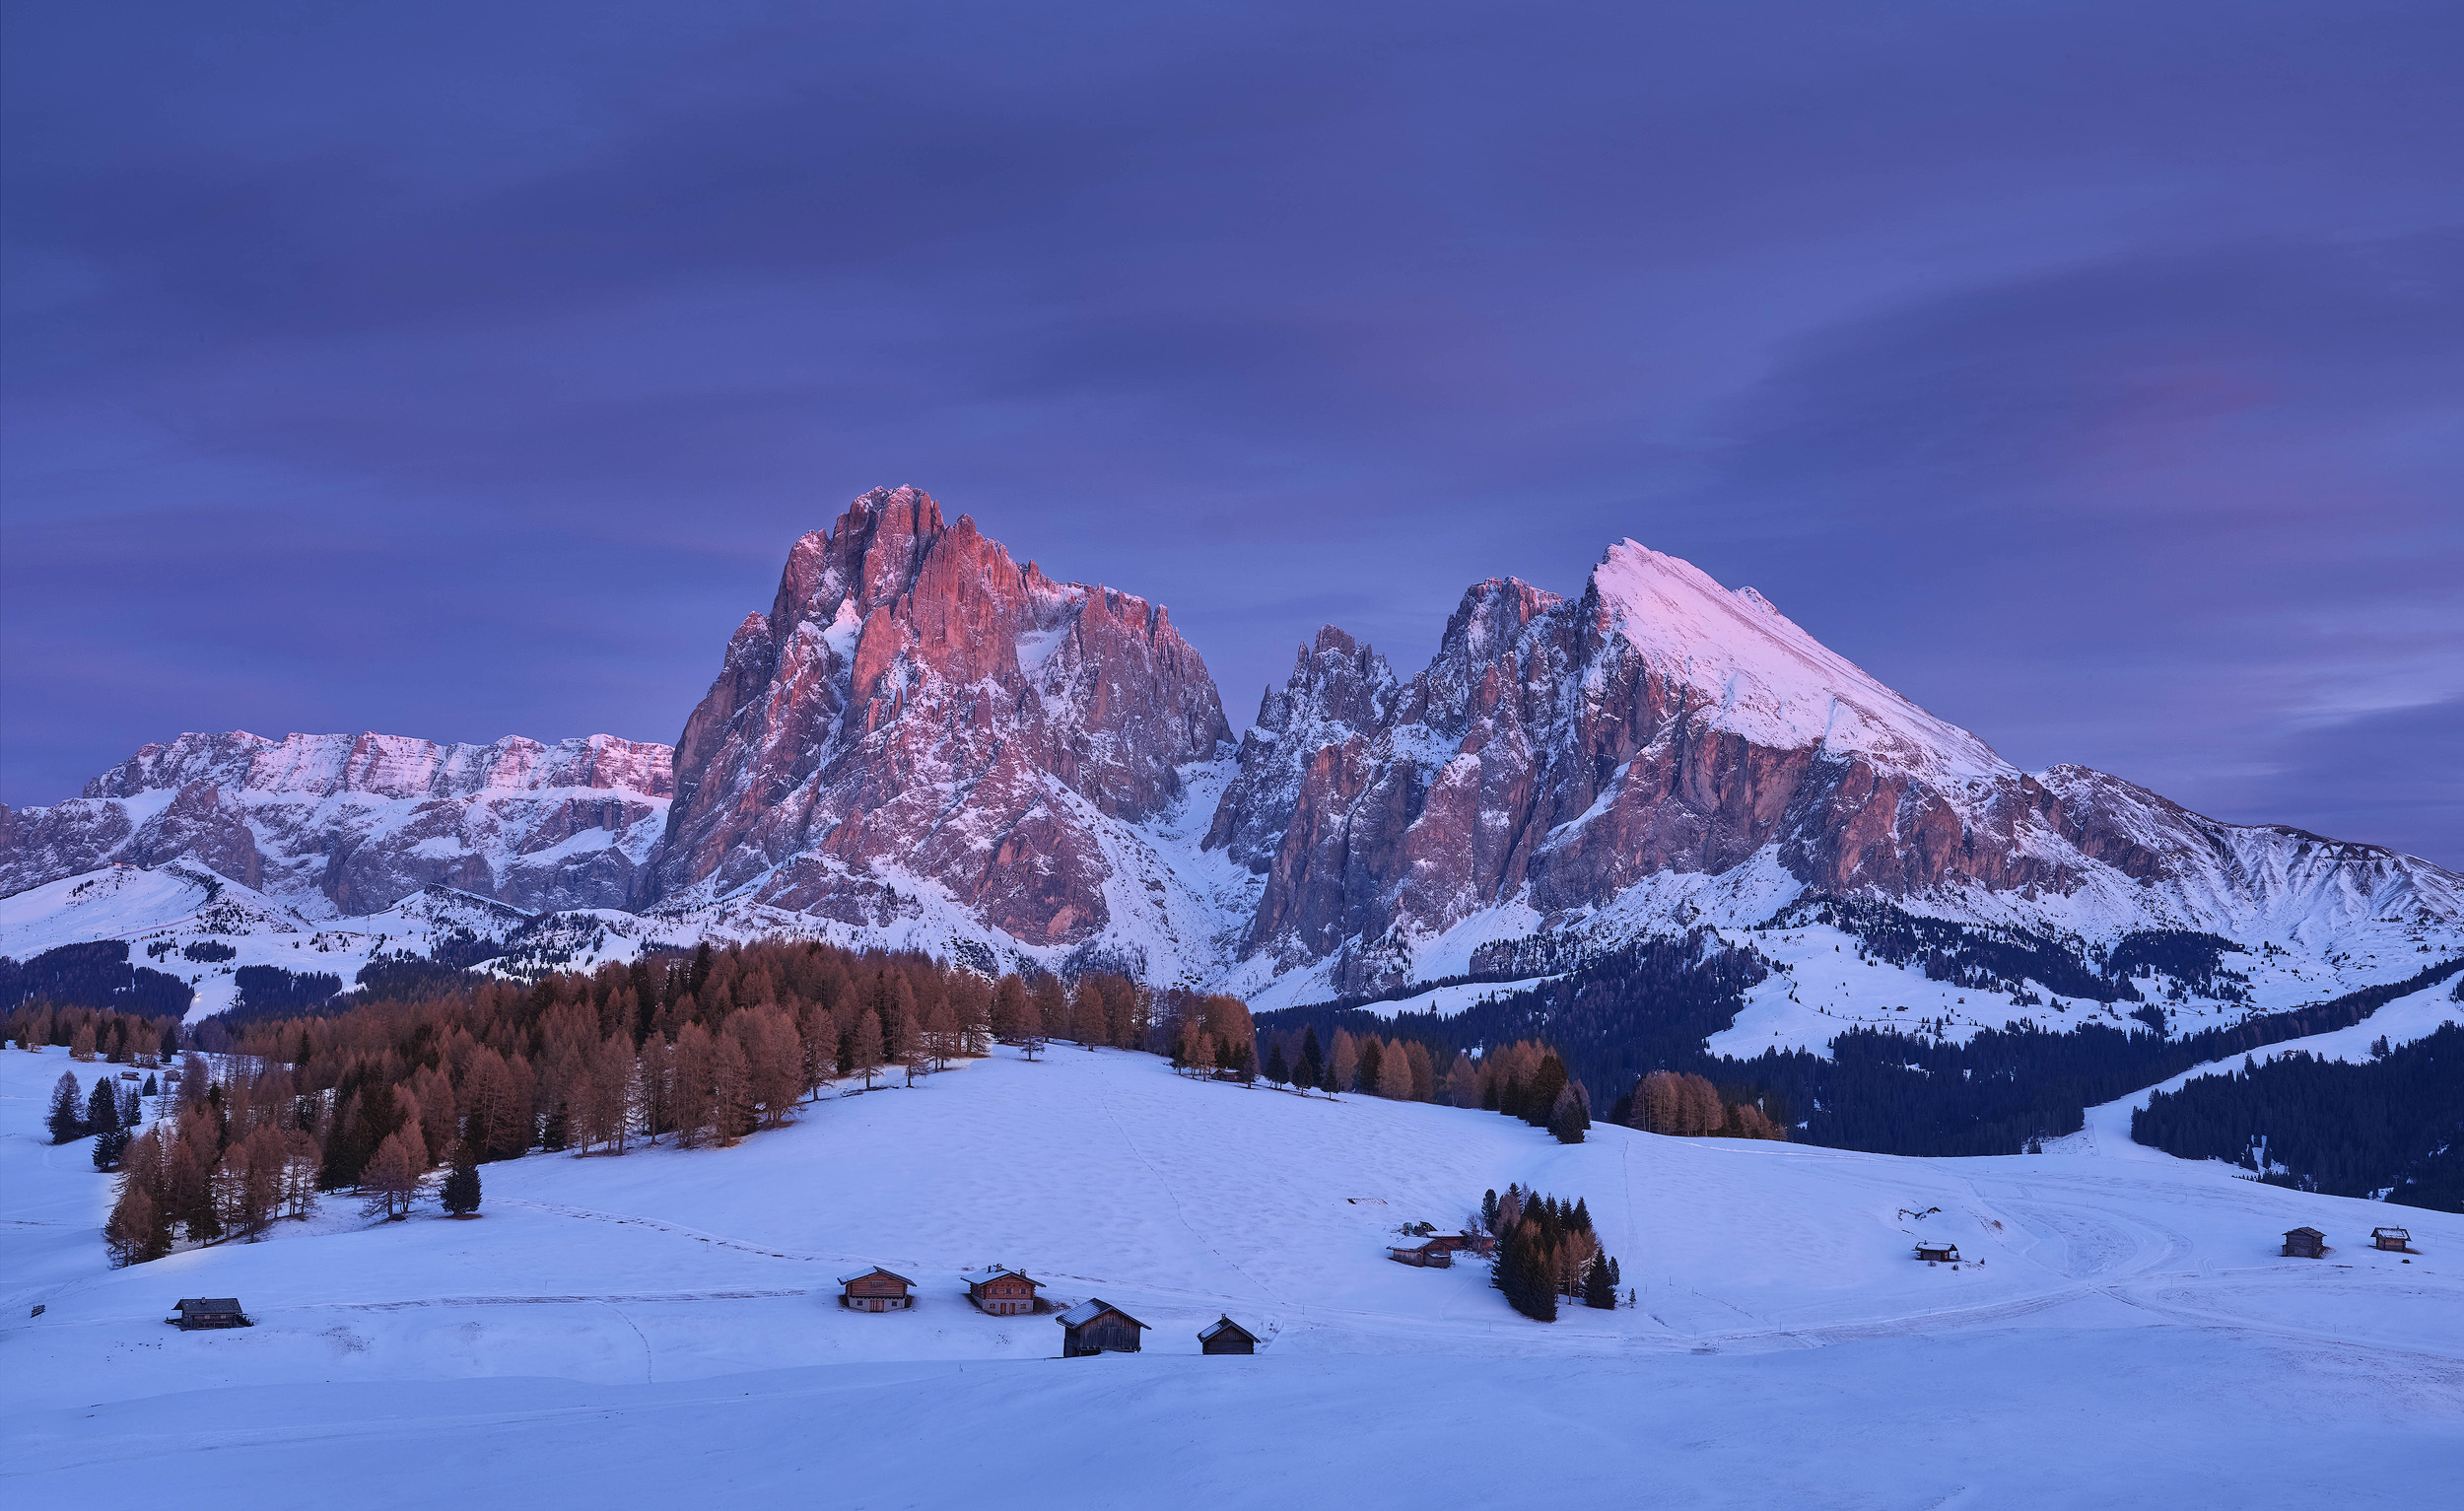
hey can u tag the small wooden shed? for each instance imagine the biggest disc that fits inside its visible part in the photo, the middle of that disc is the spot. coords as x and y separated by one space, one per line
1937 1253
208 1312
2393 1240
1224 1336
875 1290
1430 1255
1096 1325
1002 1292
1481 1244
2305 1243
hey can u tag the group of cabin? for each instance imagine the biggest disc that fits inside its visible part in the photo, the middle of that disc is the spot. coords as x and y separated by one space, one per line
996 1289
2311 1243
1094 1326
1439 1252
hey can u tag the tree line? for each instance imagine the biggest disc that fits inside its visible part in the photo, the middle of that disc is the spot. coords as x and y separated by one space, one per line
2393 1124
700 1049
1522 1080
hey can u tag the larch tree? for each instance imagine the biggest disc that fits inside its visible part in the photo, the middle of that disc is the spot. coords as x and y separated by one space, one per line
391 1182
1344 1064
731 1088
1395 1073
1009 1008
864 1049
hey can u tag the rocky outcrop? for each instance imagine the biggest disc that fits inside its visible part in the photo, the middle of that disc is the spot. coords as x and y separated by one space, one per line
1556 753
351 824
919 714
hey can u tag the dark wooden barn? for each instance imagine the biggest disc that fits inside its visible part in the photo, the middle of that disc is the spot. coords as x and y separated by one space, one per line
1937 1253
209 1312
875 1290
2305 1243
1002 1292
1434 1253
2393 1240
1481 1244
1224 1336
1096 1325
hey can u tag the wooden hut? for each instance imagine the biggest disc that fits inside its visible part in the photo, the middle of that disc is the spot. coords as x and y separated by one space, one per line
1096 1325
875 1290
1224 1336
2393 1240
1432 1254
208 1312
2305 1243
1937 1253
1002 1292
1481 1244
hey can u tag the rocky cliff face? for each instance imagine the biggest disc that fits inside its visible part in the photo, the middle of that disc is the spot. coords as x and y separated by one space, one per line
924 743
917 715
1556 754
351 824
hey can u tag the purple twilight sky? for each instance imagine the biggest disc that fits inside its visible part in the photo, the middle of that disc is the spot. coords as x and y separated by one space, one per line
2093 374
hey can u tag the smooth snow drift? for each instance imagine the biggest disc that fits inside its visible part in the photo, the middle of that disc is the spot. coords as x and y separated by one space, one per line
661 1329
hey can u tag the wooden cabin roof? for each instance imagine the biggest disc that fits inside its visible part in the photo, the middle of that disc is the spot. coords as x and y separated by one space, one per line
2304 1232
2391 1233
209 1304
1216 1328
861 1275
996 1272
1091 1308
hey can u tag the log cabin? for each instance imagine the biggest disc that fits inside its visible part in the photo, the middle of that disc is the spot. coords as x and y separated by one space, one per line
1432 1254
1000 1291
2305 1243
208 1312
1937 1253
1224 1336
2393 1240
1096 1325
875 1290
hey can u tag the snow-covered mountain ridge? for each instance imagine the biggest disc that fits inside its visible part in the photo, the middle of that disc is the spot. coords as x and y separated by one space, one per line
925 744
343 825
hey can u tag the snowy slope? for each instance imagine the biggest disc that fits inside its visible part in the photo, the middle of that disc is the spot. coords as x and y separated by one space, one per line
1774 684
605 1313
162 912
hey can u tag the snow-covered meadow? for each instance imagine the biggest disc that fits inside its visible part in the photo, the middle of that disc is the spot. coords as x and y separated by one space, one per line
660 1328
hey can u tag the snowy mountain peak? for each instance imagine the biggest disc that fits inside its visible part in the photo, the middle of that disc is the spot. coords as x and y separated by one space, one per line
1753 671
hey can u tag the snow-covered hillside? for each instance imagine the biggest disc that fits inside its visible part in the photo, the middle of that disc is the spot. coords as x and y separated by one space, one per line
659 1328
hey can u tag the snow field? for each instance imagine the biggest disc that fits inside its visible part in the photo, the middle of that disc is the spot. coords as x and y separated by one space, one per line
654 1326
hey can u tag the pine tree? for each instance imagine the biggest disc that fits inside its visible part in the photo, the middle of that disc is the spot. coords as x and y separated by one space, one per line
1569 1118
1488 1209
149 1088
107 1146
460 1196
1599 1287
1276 1071
1312 1059
102 1106
63 1120
1539 1098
